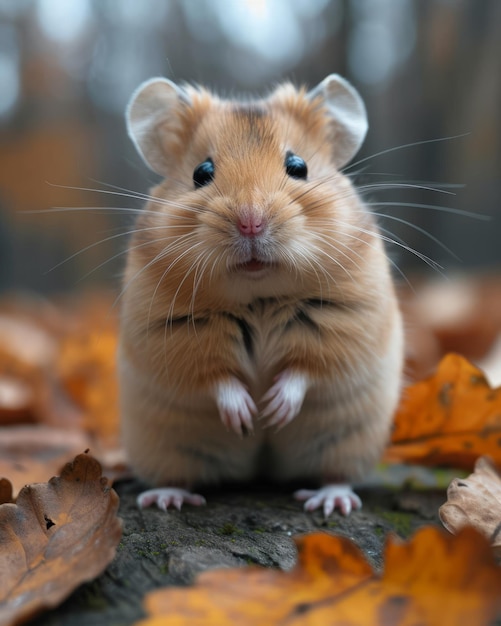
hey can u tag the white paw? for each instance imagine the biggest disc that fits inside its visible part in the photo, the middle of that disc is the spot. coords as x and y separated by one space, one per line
165 497
284 399
235 405
329 498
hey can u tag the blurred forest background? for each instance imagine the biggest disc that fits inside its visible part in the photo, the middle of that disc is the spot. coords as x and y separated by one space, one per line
427 69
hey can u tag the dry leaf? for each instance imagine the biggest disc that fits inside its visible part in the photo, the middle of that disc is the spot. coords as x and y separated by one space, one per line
451 418
32 454
5 490
87 370
333 584
58 535
476 501
57 376
461 314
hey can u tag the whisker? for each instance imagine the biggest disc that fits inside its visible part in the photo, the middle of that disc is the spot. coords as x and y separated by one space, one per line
324 239
118 254
403 147
134 195
433 264
312 265
387 186
170 312
154 260
434 207
101 241
185 252
90 209
199 274
420 230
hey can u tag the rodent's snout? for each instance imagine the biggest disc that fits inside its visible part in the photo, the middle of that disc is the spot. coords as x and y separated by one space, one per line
250 222
254 246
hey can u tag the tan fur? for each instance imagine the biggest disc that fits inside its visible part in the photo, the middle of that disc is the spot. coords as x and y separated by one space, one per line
182 293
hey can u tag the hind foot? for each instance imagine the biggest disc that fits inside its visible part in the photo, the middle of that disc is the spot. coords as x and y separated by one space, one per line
329 498
168 496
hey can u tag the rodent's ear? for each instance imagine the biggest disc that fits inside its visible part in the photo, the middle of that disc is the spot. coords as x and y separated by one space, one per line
349 116
151 115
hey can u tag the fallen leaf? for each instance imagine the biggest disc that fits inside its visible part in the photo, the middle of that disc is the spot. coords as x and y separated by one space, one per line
5 490
461 314
32 454
58 535
450 418
57 376
30 336
16 401
333 584
87 370
476 501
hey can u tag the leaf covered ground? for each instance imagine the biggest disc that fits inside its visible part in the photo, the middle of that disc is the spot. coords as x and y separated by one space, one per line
66 559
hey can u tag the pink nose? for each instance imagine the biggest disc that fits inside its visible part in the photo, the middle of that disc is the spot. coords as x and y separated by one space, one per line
250 225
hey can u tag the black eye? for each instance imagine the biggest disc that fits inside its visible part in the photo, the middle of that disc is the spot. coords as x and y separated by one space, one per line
203 173
295 166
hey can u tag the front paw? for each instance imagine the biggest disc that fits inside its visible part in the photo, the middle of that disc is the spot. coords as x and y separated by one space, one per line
284 399
235 405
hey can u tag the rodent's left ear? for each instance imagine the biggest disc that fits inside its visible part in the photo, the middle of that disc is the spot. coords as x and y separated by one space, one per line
152 118
349 116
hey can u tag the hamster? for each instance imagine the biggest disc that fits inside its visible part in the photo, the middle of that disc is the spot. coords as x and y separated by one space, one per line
260 333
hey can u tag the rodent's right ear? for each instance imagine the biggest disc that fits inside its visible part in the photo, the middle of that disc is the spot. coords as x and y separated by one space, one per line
152 115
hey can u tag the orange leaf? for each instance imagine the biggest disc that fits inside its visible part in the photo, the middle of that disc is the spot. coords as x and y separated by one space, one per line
333 584
86 367
451 418
58 535
58 391
476 501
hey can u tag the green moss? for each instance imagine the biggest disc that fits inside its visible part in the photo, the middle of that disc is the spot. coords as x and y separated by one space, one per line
378 531
400 521
92 597
229 529
332 523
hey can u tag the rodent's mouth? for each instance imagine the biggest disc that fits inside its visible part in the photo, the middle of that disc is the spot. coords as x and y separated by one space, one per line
254 266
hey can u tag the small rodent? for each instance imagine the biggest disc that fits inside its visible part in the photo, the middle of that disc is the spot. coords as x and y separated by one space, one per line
257 297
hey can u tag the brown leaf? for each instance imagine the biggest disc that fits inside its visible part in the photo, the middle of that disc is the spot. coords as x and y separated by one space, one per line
5 490
32 454
333 584
58 535
476 501
461 314
26 350
450 418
